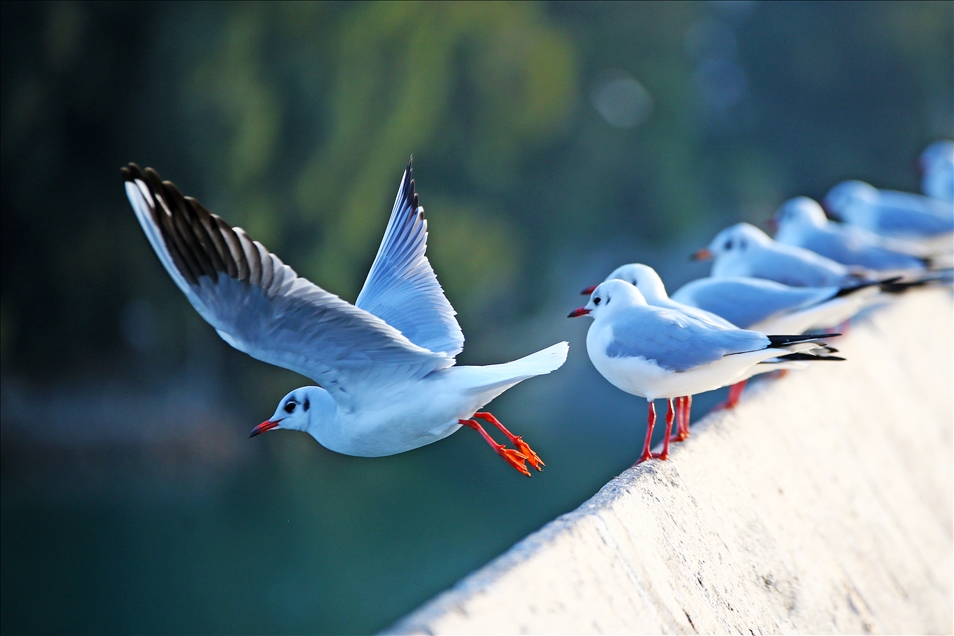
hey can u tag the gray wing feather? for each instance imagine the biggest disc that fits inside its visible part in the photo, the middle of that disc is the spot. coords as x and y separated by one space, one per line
677 342
797 266
402 288
748 301
261 306
840 245
906 212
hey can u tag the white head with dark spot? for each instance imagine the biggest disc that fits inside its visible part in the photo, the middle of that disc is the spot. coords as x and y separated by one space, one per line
609 297
734 240
644 278
303 409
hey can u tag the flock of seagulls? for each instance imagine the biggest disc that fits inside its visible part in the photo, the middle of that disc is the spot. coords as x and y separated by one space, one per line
385 367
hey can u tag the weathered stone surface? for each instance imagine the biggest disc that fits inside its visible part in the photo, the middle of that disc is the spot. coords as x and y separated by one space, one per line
821 504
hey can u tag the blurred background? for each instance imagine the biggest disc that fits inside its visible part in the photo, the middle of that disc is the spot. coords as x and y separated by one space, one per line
551 142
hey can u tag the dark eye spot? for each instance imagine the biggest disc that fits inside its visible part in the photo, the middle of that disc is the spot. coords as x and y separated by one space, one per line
742 244
307 404
290 406
596 301
728 244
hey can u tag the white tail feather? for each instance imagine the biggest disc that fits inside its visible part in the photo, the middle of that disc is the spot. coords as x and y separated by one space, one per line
492 380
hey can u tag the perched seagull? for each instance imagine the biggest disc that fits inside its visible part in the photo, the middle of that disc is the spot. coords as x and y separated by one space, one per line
744 250
895 214
656 352
766 306
650 284
385 365
802 222
937 170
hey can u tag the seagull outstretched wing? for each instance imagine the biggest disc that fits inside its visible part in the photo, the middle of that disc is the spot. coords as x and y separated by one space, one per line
261 306
402 288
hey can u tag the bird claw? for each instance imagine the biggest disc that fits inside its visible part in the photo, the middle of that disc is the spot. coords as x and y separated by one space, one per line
662 456
514 458
679 437
645 457
528 452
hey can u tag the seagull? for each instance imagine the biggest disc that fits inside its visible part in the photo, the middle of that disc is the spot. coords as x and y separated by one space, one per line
662 353
744 250
895 214
802 222
937 170
650 284
385 366
766 306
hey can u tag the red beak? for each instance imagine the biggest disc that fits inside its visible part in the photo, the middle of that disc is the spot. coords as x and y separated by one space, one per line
589 290
576 313
264 427
702 255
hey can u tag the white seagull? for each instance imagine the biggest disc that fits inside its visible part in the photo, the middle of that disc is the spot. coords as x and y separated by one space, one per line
895 214
745 250
651 286
937 170
385 365
655 352
802 222
763 305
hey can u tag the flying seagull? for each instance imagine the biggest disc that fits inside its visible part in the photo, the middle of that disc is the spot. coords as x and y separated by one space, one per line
385 365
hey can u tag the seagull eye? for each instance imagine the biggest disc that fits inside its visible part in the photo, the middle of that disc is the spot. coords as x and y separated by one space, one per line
290 406
596 301
728 244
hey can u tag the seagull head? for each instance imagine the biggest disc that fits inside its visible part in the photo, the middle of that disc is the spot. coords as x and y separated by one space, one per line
798 213
608 297
848 199
296 410
733 242
643 277
937 153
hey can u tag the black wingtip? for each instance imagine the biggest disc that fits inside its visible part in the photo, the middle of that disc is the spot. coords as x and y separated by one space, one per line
809 357
130 171
782 341
899 286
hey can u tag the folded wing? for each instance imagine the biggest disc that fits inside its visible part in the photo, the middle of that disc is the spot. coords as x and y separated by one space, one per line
677 342
401 288
261 306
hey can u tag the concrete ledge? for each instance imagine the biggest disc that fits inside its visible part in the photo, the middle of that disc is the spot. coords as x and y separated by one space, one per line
822 504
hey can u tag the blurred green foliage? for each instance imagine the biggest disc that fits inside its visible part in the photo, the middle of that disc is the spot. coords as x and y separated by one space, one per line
294 120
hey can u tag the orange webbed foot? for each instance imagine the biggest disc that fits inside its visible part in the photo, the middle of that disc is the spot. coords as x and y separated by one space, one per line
514 458
645 457
529 453
516 440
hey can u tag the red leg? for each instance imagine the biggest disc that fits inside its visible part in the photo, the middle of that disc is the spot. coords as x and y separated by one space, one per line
511 456
683 404
647 445
687 407
670 414
735 394
516 440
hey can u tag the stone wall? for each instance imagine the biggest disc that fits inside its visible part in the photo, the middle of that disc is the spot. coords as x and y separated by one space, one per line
822 504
